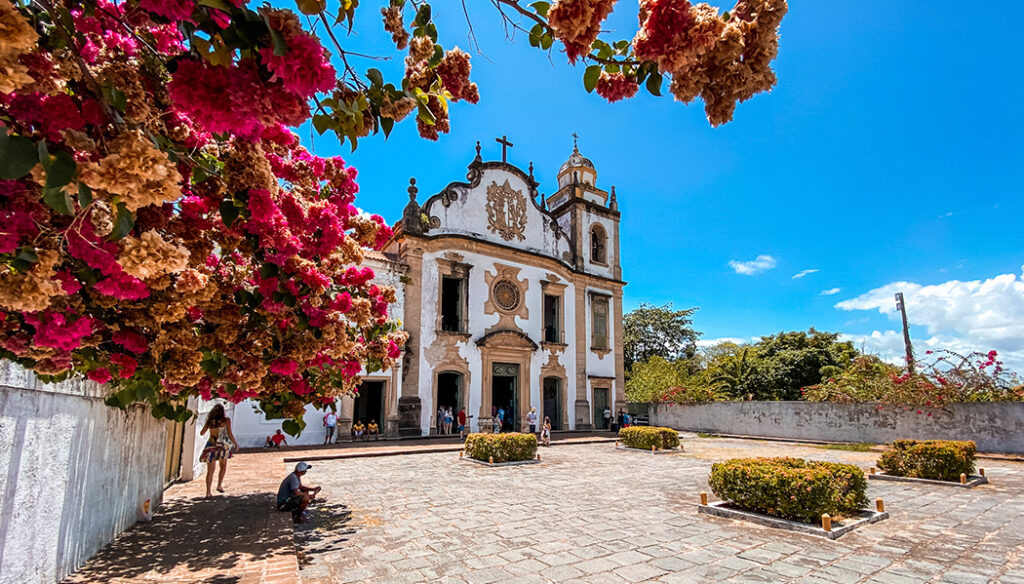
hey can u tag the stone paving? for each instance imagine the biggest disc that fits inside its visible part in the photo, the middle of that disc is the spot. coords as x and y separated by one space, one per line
591 514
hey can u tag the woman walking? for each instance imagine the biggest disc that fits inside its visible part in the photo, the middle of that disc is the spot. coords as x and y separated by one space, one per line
448 418
218 446
545 432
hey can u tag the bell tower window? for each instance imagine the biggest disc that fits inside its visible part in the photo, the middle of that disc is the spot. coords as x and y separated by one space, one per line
598 245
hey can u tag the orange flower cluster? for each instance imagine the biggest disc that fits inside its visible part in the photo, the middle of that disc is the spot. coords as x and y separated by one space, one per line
577 23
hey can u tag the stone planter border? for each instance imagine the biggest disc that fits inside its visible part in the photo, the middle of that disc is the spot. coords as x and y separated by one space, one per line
658 451
499 464
727 510
972 481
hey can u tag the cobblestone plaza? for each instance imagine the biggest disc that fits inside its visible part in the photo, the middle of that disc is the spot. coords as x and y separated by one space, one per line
590 513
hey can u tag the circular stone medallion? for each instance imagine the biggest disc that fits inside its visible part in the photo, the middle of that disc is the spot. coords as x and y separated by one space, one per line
506 295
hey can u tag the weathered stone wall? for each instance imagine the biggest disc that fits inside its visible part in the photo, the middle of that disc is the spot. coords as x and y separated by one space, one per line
995 427
73 474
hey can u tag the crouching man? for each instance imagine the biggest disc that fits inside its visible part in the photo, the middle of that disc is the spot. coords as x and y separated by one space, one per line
293 496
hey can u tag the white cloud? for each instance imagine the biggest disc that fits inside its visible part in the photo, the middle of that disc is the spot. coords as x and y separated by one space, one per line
702 343
803 273
831 291
977 315
946 214
757 265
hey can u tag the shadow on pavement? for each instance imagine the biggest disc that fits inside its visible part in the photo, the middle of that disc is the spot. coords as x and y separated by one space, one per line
327 529
189 535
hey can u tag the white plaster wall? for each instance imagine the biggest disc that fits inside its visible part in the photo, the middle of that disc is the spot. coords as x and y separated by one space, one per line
468 216
73 474
479 322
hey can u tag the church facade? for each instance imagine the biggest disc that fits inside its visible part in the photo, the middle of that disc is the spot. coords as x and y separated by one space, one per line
512 300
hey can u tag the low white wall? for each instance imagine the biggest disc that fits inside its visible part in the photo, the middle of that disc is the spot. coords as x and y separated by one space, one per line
73 474
251 427
995 427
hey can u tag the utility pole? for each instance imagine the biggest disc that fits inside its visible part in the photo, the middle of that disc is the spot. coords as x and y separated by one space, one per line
901 306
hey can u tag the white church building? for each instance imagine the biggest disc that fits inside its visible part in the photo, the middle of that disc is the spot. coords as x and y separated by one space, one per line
511 299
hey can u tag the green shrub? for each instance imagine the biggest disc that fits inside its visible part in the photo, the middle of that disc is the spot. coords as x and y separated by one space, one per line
508 447
790 487
942 460
645 437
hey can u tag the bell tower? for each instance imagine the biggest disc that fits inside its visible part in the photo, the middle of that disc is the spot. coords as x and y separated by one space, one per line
589 215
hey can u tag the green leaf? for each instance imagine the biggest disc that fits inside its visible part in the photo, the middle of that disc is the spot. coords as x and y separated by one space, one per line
611 68
18 155
58 200
387 124
435 59
60 170
123 223
425 115
546 41
25 259
84 195
310 7
322 123
590 77
535 33
280 47
422 16
654 84
291 427
541 8
228 212
374 75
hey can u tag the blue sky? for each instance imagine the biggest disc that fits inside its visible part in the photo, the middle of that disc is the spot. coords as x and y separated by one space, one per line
889 152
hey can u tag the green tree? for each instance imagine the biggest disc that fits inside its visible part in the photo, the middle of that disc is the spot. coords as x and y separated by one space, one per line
735 372
797 359
650 379
651 331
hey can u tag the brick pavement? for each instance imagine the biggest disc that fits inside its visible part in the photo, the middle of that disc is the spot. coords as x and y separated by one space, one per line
591 514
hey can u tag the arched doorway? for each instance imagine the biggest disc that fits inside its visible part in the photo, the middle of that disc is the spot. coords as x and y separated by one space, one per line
449 394
552 398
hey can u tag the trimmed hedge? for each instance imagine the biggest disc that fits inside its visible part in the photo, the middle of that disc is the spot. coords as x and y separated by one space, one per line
510 447
646 436
941 460
792 488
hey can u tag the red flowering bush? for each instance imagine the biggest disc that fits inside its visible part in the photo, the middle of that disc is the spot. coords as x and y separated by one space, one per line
943 377
162 229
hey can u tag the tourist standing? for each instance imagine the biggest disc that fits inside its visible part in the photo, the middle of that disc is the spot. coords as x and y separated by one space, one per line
531 419
448 419
607 418
330 423
501 419
545 432
440 419
462 422
218 446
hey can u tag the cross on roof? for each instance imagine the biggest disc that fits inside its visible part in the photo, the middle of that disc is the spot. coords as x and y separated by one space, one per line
505 144
575 137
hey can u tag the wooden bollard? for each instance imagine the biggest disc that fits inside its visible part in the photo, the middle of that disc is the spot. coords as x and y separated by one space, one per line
653 449
460 453
538 457
963 478
880 505
826 522
981 471
871 470
490 459
703 498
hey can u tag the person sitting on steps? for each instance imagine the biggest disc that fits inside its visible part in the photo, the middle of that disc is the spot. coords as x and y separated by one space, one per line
358 429
372 429
275 441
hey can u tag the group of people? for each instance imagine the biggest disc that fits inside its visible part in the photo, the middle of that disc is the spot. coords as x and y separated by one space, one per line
361 431
447 421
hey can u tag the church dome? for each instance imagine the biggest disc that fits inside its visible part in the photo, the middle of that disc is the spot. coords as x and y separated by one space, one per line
575 160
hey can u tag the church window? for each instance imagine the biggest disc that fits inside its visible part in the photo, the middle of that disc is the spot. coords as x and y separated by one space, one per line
598 245
599 323
552 334
453 300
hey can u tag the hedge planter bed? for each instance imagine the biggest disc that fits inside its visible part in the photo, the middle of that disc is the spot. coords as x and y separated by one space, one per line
510 449
972 480
648 438
935 462
620 446
792 493
839 528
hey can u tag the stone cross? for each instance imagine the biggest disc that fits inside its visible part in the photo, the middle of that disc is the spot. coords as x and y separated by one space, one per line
505 145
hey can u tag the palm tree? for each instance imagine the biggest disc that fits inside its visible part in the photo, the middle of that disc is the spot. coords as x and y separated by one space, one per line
734 372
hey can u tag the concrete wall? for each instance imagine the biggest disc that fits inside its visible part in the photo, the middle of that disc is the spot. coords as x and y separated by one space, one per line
73 474
995 427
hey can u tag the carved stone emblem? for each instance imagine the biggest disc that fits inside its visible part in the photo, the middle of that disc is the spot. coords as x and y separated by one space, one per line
506 295
506 211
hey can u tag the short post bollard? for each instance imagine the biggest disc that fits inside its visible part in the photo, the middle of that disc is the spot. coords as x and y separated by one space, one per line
490 459
460 453
981 471
871 470
703 498
963 478
880 505
538 457
826 522
653 448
